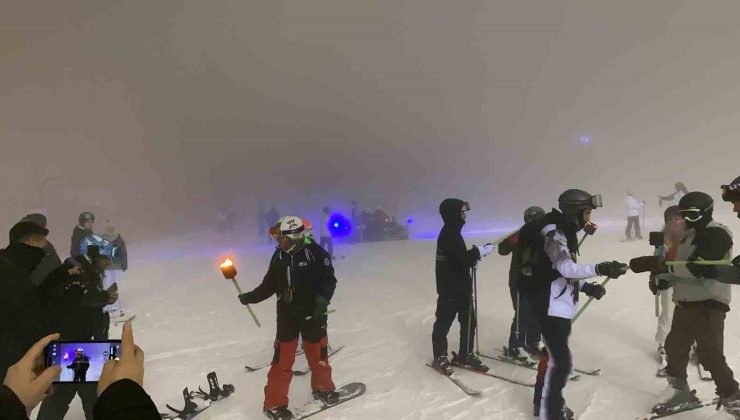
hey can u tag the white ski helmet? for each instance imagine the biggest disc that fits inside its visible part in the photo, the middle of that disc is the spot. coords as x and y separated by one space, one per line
290 226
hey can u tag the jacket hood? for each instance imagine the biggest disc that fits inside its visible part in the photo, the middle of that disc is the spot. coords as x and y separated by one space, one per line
450 210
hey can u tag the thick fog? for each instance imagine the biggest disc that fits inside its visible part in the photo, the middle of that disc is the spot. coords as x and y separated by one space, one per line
158 114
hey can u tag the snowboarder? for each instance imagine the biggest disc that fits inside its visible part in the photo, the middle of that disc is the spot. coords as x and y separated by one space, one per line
524 335
552 278
86 221
325 239
673 231
301 275
80 365
633 215
675 196
455 288
701 307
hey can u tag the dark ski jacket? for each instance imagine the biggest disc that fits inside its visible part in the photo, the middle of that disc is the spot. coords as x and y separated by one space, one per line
74 304
50 262
122 400
509 246
454 260
78 234
297 278
21 316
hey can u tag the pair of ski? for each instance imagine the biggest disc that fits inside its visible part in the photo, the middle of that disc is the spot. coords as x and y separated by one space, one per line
301 372
346 393
191 409
501 357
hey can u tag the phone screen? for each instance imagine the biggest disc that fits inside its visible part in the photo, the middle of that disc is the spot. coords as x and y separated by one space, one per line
81 361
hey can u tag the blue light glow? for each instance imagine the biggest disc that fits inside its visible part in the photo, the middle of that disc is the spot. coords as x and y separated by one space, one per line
585 140
339 225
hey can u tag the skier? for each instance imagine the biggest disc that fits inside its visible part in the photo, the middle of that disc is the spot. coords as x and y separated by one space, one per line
325 239
675 196
723 273
86 221
455 288
673 231
301 275
701 307
119 264
633 215
524 335
80 365
552 279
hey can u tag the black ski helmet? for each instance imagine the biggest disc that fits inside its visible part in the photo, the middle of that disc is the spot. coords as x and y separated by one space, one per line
696 208
85 216
731 192
533 213
574 202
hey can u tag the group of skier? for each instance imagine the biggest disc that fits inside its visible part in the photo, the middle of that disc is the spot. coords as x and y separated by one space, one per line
545 279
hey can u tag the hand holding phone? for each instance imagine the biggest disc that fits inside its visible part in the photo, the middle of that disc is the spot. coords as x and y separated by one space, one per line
130 366
25 381
81 361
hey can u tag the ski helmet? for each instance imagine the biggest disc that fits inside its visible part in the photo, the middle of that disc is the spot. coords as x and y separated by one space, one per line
573 203
533 213
696 208
670 213
731 192
290 226
85 216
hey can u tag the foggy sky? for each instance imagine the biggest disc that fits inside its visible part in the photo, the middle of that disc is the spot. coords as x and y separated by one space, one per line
155 114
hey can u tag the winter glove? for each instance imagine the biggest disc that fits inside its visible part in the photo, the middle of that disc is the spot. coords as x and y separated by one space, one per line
705 271
485 250
611 269
320 307
594 290
245 299
651 263
656 285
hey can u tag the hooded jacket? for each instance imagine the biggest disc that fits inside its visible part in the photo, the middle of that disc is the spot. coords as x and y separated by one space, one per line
22 321
454 260
78 234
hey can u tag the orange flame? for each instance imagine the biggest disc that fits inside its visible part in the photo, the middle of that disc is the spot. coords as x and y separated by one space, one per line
226 264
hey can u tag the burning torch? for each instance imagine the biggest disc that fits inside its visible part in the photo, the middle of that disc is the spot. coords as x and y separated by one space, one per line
229 271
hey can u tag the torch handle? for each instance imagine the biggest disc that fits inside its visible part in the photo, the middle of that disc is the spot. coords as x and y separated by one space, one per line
254 317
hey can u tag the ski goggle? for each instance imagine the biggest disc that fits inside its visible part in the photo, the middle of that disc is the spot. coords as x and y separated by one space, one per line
731 192
596 201
466 206
692 214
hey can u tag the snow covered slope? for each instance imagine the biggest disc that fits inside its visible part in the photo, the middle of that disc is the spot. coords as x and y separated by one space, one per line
189 322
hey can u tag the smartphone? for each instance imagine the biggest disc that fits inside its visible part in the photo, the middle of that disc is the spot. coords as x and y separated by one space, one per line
81 361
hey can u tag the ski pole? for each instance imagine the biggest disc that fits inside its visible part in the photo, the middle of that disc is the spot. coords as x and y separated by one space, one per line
505 237
700 262
229 271
475 291
588 302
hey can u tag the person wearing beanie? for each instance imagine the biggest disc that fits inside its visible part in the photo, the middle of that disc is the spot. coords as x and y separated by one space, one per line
22 321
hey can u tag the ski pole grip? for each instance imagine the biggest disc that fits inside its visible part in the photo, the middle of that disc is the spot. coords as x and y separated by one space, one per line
588 302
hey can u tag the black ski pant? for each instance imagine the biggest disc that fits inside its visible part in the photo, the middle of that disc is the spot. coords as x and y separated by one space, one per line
55 406
447 309
555 367
633 221
525 331
327 243
705 324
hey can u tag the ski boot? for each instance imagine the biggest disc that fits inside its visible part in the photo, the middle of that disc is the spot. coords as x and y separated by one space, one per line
326 397
279 413
470 361
534 352
441 364
678 396
731 404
